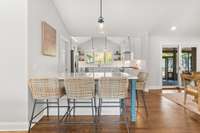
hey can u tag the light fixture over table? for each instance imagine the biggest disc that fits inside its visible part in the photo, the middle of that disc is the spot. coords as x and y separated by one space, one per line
101 19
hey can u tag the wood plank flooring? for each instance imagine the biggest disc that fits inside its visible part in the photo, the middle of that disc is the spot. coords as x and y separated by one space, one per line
164 117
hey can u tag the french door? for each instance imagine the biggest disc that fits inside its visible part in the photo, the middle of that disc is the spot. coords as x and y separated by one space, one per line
177 60
169 66
169 72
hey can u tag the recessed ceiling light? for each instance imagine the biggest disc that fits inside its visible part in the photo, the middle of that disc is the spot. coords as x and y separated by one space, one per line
173 28
74 38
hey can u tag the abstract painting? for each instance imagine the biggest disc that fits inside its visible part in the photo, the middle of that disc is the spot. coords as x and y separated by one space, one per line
48 40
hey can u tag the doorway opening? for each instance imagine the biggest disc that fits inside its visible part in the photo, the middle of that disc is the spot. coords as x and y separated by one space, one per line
169 67
177 60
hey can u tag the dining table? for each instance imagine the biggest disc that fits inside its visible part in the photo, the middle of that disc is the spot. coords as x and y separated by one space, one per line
97 75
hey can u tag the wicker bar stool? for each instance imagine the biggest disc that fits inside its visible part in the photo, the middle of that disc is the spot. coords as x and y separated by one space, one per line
113 88
140 87
81 88
43 90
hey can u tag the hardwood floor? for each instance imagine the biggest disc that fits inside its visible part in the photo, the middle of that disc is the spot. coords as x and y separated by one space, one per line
164 117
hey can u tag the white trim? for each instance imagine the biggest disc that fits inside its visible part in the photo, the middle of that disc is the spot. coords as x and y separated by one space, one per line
14 126
17 126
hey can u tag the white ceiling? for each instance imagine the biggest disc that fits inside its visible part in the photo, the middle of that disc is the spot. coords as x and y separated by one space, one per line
131 17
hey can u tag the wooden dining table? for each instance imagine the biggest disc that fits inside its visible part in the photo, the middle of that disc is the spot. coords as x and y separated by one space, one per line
98 75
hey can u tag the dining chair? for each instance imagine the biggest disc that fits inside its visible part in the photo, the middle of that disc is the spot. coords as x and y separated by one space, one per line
140 89
190 88
185 79
81 88
198 88
113 88
43 90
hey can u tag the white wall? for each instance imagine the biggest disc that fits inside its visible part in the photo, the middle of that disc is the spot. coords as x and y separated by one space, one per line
15 100
38 64
38 11
155 55
13 48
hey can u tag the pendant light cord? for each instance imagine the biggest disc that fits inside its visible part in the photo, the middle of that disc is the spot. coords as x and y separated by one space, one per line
101 8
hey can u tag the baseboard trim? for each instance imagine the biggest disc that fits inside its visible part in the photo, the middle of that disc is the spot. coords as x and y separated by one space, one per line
14 126
17 126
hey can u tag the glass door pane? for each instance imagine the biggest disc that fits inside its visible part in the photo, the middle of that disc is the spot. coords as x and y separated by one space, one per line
170 65
170 68
187 61
163 68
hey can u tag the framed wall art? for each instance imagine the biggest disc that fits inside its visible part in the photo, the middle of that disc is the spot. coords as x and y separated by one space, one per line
48 40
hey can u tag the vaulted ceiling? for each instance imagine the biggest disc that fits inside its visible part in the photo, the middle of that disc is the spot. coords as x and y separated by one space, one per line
131 17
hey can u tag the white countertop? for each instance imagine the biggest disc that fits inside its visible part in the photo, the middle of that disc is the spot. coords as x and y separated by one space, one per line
97 75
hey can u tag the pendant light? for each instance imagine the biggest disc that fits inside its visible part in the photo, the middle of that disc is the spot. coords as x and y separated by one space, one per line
101 19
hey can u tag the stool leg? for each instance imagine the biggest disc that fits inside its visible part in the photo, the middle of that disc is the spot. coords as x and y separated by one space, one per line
99 113
100 106
68 108
74 107
58 102
137 98
30 122
47 108
121 106
144 101
126 118
95 115
95 106
68 112
92 104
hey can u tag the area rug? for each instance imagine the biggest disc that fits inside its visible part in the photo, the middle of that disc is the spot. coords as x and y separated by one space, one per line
178 98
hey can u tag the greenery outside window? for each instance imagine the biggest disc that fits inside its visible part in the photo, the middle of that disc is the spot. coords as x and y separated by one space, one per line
187 61
99 57
108 57
89 57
